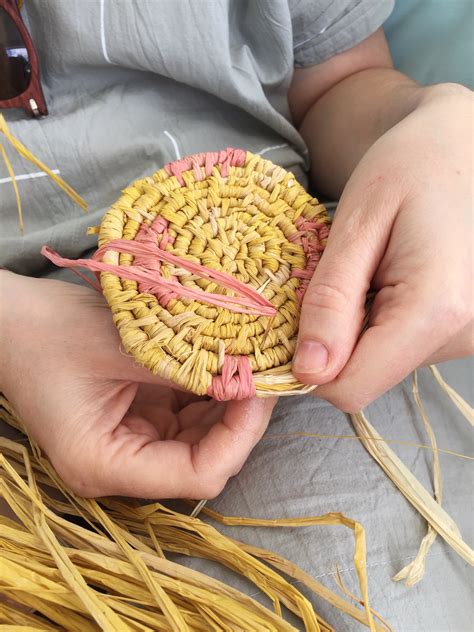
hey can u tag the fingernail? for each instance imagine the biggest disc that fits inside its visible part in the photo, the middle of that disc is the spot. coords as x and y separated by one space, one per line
311 357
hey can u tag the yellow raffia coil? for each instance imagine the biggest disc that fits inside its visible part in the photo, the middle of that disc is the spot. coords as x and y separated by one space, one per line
241 224
204 265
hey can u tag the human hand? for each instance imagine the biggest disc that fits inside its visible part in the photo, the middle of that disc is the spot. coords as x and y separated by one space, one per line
109 426
403 227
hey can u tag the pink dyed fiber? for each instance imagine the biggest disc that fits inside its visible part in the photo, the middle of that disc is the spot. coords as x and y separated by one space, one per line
235 381
226 158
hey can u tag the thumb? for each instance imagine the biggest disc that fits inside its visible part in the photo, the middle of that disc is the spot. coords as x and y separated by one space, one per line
333 307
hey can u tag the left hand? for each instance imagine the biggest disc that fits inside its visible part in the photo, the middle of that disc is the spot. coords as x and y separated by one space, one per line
109 426
403 228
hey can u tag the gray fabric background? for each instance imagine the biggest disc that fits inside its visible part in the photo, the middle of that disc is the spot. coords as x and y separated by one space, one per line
130 85
304 477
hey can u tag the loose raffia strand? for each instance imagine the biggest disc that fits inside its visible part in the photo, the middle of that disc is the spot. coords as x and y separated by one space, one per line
414 571
127 547
26 153
317 435
249 301
411 488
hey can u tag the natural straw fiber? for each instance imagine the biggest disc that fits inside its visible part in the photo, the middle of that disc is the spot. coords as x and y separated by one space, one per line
24 152
73 563
204 266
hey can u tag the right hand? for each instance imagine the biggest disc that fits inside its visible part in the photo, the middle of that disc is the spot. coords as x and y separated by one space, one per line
404 228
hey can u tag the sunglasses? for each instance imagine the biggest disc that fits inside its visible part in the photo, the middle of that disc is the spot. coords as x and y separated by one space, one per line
20 85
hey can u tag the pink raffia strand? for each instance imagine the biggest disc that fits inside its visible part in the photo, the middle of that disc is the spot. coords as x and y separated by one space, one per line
156 233
235 381
148 275
226 158
309 236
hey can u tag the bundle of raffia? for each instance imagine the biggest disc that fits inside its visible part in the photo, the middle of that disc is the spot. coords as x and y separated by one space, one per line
71 563
204 266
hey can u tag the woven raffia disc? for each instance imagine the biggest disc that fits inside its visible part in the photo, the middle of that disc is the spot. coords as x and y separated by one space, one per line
231 212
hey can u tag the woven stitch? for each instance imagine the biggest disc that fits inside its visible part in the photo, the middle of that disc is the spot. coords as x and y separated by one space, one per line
218 249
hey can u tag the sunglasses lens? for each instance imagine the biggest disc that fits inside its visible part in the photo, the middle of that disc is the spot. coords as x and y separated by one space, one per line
15 70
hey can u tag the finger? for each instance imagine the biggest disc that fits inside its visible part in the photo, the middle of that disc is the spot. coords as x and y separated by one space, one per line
333 307
109 359
135 466
226 448
408 328
198 416
207 411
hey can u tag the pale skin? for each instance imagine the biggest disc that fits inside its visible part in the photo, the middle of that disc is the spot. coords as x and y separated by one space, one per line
399 157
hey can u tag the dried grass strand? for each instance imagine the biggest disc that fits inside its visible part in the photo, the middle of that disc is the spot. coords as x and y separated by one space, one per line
123 568
11 173
458 401
410 487
294 571
351 595
26 153
413 572
413 444
107 557
332 519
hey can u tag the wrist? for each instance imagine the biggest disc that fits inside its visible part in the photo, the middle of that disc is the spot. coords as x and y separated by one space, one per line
343 125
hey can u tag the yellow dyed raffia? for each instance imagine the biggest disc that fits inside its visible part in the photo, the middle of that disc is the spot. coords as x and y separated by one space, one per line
242 224
111 573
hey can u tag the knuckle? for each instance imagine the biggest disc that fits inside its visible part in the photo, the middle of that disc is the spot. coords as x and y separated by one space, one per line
450 89
237 469
327 296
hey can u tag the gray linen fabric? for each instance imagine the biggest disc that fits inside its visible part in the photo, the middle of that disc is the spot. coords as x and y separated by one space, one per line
133 85
310 477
